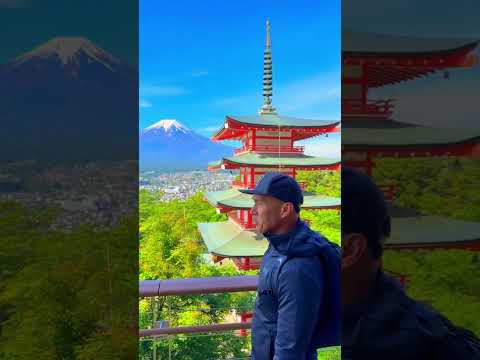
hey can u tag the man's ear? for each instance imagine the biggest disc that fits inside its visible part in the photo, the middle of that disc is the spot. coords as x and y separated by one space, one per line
354 247
286 209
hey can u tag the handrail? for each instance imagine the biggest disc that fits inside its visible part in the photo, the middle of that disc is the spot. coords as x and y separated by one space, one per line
194 329
271 148
192 286
373 107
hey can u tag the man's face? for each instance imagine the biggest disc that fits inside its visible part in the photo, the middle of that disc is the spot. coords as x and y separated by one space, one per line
267 213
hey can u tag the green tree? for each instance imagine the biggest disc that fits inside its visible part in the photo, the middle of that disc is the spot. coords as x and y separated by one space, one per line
445 187
171 247
78 313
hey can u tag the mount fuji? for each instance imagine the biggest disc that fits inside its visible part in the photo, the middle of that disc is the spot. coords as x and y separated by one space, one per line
68 99
170 145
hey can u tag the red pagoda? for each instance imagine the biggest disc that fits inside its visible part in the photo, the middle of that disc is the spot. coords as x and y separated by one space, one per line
268 144
372 61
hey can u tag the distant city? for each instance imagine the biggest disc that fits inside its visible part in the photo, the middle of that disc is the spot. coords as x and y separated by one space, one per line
96 193
183 184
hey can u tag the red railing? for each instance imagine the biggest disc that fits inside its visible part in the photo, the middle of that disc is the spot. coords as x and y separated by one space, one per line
241 184
376 108
247 263
271 148
402 278
388 192
245 318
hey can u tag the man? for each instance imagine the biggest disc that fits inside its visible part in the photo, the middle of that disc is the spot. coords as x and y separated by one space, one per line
298 307
379 320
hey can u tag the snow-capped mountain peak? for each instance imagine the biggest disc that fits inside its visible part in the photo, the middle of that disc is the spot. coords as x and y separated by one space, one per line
168 125
68 49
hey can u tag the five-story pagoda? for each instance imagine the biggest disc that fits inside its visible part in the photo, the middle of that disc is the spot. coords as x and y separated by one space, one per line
267 145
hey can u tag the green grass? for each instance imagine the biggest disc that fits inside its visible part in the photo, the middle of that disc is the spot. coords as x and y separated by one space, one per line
329 353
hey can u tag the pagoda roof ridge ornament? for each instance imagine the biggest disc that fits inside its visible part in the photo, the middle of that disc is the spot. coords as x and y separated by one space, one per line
267 108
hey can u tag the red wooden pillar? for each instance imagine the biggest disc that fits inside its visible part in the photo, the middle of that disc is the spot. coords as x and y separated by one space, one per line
243 319
254 139
364 87
369 168
252 177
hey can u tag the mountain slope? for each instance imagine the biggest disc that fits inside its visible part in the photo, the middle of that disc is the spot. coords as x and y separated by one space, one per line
68 99
170 145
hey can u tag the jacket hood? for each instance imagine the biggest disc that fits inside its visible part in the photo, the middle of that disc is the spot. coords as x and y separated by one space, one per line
300 242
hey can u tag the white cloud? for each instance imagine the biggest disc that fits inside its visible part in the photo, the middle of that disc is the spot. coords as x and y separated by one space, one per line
160 90
323 146
145 103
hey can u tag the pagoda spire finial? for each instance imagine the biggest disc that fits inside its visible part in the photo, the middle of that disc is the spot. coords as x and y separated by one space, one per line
267 107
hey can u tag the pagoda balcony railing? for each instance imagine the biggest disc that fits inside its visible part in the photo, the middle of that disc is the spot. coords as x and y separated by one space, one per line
374 108
241 184
271 149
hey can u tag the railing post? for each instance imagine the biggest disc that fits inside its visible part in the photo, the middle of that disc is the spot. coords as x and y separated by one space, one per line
169 337
154 308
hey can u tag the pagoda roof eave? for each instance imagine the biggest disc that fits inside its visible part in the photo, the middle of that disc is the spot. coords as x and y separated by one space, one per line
365 44
386 133
432 231
233 199
276 121
229 240
236 126
391 59
253 159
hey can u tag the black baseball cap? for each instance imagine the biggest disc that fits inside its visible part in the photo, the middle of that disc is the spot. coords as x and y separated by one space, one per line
364 209
279 186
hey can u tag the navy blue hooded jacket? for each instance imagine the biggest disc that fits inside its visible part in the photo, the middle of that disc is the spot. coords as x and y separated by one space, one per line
298 306
390 325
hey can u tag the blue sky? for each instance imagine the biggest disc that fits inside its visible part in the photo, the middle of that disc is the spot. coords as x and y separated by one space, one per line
29 23
200 61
